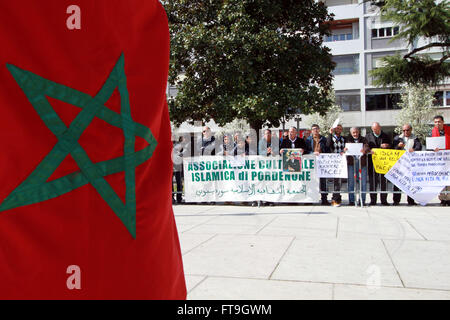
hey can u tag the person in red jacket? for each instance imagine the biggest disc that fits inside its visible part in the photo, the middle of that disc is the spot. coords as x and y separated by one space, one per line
439 130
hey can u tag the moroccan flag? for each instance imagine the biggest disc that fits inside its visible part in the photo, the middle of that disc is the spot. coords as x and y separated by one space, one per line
85 167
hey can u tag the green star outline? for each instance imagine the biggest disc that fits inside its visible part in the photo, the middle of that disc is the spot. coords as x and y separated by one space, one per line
35 188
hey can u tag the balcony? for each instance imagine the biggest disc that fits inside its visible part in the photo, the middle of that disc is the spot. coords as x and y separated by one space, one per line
345 47
348 82
348 11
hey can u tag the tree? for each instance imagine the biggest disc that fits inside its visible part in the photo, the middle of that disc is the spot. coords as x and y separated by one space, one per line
247 59
325 121
426 19
416 109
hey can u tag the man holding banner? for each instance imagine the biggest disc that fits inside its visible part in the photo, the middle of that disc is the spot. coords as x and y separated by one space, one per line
336 144
377 139
353 165
439 130
409 142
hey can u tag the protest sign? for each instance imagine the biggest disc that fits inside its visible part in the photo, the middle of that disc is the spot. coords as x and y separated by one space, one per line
253 178
331 165
430 168
335 123
400 176
354 149
435 143
384 159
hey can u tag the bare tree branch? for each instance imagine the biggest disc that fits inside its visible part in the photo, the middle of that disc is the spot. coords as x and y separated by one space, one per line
430 45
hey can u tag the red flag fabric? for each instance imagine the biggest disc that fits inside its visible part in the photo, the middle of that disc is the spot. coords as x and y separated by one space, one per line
86 170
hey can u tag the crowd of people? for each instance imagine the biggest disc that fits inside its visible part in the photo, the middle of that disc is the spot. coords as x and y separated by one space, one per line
312 142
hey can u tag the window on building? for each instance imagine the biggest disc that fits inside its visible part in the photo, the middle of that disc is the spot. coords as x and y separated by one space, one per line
374 33
447 98
349 102
377 62
386 32
339 37
348 64
382 101
439 99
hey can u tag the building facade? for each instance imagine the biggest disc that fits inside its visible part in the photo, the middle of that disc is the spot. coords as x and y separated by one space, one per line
358 42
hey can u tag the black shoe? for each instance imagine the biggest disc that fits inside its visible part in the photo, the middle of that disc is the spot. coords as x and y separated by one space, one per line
325 202
394 204
448 203
385 204
351 204
443 203
373 203
412 204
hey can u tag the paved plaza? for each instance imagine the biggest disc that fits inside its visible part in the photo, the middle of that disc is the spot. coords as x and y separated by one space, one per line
315 252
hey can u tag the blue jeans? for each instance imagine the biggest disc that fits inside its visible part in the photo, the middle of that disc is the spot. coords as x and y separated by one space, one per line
353 170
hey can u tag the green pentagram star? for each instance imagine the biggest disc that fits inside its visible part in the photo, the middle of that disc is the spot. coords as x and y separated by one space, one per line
36 189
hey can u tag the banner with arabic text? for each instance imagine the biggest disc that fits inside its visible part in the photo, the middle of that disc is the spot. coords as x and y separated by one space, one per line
249 178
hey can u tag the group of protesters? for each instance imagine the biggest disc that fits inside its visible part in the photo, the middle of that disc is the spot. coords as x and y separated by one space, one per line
312 142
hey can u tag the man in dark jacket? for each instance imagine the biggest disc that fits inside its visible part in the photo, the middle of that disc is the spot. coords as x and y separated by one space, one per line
377 139
317 144
207 142
353 166
336 144
409 142
293 141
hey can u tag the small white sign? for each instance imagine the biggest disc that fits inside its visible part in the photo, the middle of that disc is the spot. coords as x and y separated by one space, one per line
331 165
435 142
354 149
335 123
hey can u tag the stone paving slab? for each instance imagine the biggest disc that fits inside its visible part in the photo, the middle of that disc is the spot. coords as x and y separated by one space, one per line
242 256
352 292
336 261
315 252
255 289
422 264
380 227
432 229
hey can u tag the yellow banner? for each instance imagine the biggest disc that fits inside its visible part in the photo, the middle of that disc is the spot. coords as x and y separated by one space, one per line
384 159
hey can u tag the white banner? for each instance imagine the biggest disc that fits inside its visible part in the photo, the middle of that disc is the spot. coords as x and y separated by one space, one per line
331 165
400 175
435 142
354 149
250 178
430 168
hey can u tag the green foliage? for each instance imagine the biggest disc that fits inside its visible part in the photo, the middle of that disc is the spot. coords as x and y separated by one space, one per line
398 70
325 121
416 109
427 19
248 59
